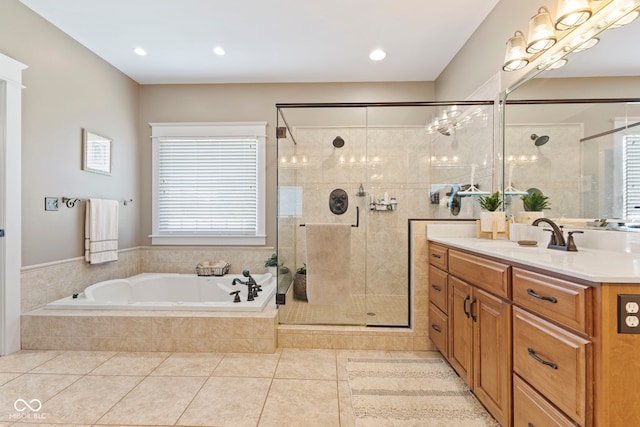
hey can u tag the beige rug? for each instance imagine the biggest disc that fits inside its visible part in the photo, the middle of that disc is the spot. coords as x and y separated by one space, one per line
412 392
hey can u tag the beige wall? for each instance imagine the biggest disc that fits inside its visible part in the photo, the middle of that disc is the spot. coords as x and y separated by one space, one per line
250 102
68 88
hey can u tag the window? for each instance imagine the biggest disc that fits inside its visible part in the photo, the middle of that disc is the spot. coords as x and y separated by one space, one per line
208 183
631 173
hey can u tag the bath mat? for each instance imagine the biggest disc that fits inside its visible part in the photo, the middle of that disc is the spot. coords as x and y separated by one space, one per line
412 392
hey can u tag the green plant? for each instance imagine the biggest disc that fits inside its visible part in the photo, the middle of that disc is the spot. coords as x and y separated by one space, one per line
272 261
302 270
535 202
490 203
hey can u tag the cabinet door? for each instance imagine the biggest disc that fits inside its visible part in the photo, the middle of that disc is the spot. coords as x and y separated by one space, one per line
492 353
460 329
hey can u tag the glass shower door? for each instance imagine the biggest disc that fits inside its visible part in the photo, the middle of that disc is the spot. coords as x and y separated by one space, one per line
322 174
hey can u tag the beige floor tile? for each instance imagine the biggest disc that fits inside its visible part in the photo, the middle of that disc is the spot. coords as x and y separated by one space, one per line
29 387
227 401
189 364
347 417
86 400
135 363
5 378
247 365
156 401
414 354
307 364
306 403
26 360
74 362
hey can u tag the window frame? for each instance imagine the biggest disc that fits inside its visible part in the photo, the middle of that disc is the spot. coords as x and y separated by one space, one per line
255 130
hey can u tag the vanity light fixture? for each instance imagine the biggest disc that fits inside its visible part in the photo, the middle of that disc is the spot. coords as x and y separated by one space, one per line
623 16
588 43
218 51
516 57
377 55
553 63
571 13
541 34
139 51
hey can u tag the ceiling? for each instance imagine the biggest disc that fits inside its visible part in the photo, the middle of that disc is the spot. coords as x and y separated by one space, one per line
270 40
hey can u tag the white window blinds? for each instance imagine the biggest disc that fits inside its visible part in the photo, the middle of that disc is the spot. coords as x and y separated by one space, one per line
632 176
208 184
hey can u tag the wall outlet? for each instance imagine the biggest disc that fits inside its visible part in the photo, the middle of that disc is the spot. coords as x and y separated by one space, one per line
628 314
50 203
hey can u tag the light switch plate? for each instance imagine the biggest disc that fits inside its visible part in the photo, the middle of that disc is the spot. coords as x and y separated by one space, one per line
628 314
50 203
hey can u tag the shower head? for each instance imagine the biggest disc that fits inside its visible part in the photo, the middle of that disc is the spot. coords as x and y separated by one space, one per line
444 131
539 140
338 142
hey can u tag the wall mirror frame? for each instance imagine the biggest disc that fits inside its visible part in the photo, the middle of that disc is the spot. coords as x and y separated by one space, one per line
96 152
581 164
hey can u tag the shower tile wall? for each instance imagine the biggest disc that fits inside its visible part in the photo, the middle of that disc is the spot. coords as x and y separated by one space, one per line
397 163
555 171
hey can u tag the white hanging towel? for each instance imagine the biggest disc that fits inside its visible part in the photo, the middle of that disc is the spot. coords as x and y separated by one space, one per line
328 263
101 231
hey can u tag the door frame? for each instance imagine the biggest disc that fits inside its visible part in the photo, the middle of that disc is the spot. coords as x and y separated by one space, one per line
10 202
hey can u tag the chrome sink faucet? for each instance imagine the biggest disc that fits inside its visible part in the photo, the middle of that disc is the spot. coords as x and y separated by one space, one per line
557 237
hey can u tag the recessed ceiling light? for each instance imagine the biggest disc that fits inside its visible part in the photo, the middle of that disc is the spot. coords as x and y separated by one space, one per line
377 55
139 51
218 50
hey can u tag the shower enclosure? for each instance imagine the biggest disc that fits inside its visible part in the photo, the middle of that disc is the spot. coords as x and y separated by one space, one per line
395 163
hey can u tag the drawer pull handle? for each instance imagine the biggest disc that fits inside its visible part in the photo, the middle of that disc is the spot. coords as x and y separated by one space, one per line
464 305
541 360
436 287
436 328
436 256
535 295
530 425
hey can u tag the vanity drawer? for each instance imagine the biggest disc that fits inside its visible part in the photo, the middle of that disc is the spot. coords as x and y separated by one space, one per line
531 409
438 255
559 300
489 275
553 361
438 331
438 288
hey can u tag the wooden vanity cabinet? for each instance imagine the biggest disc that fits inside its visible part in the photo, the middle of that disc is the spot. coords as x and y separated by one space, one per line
438 298
480 333
537 348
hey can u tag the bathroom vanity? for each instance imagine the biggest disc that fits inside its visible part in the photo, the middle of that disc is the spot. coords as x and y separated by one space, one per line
543 337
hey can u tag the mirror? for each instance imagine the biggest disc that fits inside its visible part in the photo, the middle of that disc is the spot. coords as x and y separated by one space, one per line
579 152
96 152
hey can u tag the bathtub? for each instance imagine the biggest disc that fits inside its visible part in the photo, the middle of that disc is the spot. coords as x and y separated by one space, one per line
161 291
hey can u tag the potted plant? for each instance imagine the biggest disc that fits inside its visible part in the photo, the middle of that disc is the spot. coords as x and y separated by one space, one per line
490 218
272 264
534 205
300 284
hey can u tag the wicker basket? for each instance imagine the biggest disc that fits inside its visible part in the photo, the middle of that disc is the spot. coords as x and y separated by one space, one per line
202 270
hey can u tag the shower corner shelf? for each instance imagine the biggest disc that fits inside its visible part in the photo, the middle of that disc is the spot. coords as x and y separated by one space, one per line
383 207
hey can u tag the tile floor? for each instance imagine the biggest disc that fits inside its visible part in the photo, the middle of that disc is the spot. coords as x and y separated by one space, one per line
96 388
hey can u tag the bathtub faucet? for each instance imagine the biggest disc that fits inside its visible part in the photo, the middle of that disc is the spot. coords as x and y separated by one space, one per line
255 288
250 283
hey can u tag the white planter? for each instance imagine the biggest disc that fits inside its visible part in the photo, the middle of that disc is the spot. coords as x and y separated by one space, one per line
273 271
493 221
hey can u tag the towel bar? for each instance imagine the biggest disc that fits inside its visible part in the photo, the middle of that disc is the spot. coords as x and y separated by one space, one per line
356 225
71 201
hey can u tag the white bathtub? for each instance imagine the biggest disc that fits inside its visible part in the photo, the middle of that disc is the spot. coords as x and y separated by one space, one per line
161 291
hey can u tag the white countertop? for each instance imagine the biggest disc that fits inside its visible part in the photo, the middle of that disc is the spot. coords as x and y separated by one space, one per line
588 264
